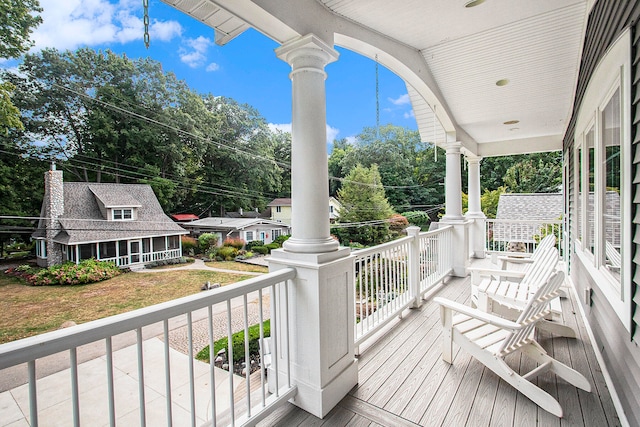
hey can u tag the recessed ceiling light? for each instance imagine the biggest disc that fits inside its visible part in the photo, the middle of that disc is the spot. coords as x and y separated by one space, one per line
514 129
512 122
502 82
473 3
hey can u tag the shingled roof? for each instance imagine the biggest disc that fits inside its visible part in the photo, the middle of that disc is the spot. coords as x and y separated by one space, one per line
525 207
84 222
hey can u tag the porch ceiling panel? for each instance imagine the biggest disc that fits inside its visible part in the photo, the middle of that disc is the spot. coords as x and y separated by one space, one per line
536 45
226 25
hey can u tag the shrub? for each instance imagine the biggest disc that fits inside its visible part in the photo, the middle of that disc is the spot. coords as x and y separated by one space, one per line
253 243
227 253
171 261
207 242
189 245
260 249
281 239
238 343
233 242
88 271
272 246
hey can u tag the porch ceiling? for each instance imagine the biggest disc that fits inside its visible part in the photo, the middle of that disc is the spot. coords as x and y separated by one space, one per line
463 52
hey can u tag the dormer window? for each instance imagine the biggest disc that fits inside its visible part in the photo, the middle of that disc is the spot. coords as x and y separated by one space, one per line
122 214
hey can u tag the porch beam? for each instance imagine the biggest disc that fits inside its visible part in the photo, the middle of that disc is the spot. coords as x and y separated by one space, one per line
474 214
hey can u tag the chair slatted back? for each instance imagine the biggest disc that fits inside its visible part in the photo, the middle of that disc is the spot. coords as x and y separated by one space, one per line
545 244
542 268
534 311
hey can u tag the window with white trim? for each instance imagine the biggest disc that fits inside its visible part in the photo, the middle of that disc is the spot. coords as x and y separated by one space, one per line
602 181
122 214
248 236
275 233
41 248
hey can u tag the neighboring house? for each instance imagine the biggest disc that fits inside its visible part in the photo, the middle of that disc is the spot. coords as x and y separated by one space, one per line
247 229
181 218
521 209
334 209
281 210
123 223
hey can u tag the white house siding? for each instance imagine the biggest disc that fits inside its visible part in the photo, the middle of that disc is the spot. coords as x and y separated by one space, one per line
617 342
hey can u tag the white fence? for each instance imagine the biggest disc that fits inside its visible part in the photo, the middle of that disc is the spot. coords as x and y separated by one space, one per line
394 276
504 235
159 374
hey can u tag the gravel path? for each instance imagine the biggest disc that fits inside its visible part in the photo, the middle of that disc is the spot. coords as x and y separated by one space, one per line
178 337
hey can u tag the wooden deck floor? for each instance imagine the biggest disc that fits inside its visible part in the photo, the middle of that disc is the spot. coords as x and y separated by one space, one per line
404 382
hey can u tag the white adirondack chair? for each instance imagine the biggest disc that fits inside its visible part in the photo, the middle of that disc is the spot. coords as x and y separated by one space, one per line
489 338
507 298
521 261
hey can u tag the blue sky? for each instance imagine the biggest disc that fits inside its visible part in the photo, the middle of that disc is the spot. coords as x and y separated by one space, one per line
246 69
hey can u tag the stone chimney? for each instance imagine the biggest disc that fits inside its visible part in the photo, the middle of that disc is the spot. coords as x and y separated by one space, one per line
53 209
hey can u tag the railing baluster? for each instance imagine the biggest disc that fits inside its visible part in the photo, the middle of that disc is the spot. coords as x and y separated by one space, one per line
232 409
247 359
286 330
261 348
75 395
212 366
143 421
192 389
33 394
167 372
275 322
110 388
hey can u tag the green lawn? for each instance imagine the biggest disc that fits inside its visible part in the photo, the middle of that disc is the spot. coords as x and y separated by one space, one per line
28 310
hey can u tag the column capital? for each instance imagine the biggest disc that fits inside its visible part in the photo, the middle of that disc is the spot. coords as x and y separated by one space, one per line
452 147
473 159
307 52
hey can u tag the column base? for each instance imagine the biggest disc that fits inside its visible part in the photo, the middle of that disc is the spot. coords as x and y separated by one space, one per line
310 246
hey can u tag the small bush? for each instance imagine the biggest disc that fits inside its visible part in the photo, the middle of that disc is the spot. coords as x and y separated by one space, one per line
189 245
272 246
88 271
263 250
207 242
281 239
227 253
233 242
171 261
253 243
238 343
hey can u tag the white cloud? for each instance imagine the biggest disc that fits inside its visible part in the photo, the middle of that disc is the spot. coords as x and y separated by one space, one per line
401 100
70 24
165 30
332 132
212 67
351 139
284 127
195 54
410 114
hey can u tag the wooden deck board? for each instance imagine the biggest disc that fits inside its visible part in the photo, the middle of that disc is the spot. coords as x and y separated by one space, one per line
403 380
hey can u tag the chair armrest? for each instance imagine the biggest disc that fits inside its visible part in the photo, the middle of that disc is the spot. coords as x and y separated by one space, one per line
496 272
516 259
478 314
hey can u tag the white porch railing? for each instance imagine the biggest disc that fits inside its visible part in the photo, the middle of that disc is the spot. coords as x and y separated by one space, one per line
386 282
125 260
250 407
522 235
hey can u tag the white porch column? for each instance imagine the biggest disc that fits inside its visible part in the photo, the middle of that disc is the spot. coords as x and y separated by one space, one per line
474 214
309 163
453 183
321 306
453 210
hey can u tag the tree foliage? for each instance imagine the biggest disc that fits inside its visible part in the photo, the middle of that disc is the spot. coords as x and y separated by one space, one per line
18 18
365 210
108 118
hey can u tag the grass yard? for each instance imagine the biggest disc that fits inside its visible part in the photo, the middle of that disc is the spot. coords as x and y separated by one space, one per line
31 310
239 266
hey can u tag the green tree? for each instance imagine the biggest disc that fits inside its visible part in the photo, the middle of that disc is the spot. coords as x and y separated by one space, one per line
365 211
535 174
489 201
18 18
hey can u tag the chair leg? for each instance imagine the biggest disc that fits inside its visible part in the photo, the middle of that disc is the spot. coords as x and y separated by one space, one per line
446 316
556 328
570 375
